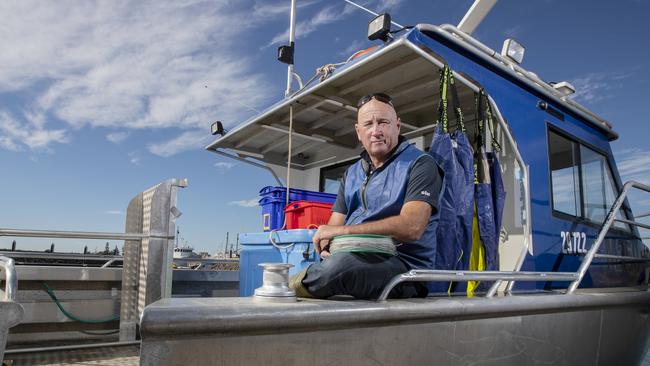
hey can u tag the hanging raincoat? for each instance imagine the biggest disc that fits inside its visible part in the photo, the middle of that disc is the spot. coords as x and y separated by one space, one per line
452 153
489 199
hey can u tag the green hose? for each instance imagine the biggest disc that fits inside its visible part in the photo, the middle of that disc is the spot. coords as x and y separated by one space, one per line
72 316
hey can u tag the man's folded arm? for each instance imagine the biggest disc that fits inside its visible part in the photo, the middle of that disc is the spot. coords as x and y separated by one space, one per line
336 219
408 226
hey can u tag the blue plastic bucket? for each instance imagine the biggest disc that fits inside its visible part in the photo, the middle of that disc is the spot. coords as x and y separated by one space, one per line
296 194
272 213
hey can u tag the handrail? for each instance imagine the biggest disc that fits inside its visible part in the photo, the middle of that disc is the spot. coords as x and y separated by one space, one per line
11 281
88 257
634 223
464 276
611 216
79 234
645 214
499 276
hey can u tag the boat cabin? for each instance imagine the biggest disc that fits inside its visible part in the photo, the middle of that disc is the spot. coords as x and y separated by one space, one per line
557 165
566 224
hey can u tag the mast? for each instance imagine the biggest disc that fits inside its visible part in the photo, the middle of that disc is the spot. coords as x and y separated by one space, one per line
475 15
292 36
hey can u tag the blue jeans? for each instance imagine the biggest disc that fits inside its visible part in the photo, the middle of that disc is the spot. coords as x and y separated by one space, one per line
361 275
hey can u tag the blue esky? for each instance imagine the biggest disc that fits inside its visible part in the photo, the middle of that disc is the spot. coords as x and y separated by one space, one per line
100 100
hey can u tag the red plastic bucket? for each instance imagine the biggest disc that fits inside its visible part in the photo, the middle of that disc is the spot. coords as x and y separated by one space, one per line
307 214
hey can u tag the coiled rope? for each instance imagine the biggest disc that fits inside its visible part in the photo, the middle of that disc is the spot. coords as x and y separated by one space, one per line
363 243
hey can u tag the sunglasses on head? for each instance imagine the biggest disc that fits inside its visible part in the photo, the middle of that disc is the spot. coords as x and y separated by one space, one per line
384 98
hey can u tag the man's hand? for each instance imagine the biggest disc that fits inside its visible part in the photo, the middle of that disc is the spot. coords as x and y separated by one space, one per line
325 233
323 236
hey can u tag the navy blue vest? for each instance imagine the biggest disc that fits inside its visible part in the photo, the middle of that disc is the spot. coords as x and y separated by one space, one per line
383 196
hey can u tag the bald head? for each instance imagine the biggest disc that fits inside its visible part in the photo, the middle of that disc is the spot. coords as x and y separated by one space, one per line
378 129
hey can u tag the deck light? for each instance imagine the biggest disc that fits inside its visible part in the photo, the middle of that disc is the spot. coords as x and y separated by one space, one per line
564 87
217 128
379 27
513 50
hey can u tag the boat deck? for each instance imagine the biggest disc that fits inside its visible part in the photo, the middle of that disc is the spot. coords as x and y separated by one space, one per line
109 356
96 356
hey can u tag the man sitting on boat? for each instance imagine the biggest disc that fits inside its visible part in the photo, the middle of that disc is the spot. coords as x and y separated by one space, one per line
393 191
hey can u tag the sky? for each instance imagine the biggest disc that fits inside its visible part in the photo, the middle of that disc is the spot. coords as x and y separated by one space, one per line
100 100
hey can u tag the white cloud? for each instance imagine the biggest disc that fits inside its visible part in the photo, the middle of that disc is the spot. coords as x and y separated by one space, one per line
253 202
190 140
595 87
324 16
117 137
513 32
114 212
634 164
15 135
135 158
126 64
329 15
224 166
384 5
265 9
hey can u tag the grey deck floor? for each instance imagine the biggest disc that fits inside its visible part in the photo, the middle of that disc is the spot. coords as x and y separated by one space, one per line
105 356
113 356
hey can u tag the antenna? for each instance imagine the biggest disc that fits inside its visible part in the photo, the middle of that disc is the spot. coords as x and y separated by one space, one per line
286 53
475 15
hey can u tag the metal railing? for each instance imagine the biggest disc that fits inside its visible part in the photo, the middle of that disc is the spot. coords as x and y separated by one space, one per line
498 276
11 281
79 234
147 259
464 276
609 221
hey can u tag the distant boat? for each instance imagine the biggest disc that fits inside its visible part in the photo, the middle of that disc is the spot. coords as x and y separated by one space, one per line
183 255
184 252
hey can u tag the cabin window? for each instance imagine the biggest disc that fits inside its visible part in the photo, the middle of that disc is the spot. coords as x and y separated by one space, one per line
582 183
597 186
330 177
565 179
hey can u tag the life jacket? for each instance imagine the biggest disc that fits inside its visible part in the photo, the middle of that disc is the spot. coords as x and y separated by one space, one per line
378 194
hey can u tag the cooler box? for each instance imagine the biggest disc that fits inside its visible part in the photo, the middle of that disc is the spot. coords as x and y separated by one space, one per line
273 201
256 248
307 214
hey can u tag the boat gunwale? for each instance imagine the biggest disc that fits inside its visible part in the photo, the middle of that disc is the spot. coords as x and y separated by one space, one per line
195 317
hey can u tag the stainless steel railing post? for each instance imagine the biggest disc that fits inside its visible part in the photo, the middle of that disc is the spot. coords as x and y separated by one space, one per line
11 312
11 282
611 216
